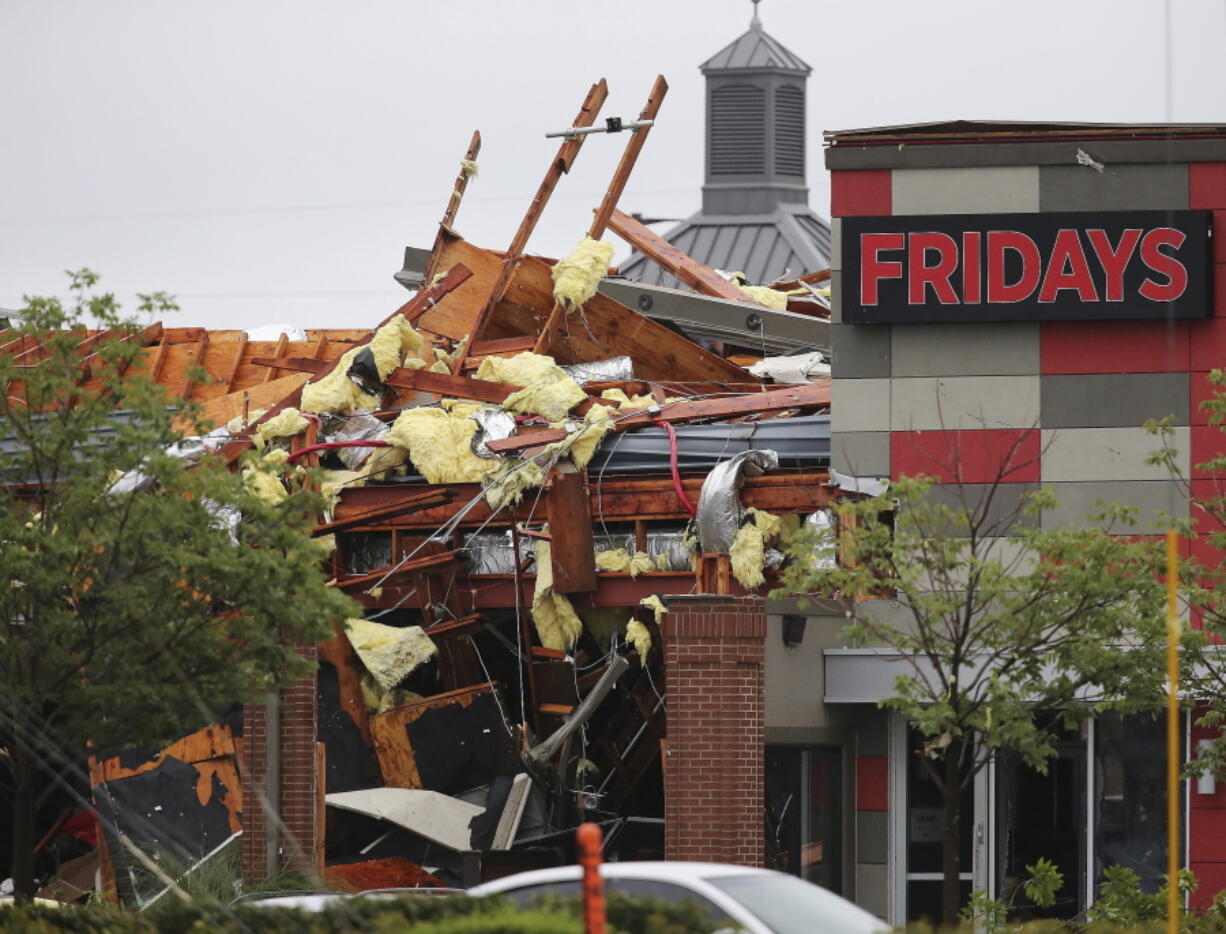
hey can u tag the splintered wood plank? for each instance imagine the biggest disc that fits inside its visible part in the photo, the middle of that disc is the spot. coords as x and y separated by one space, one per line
231 374
197 355
278 352
570 525
808 396
561 164
212 742
630 155
461 182
411 503
389 730
393 574
696 275
611 328
428 297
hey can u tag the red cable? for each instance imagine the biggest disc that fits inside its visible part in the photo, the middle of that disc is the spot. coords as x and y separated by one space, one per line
675 468
330 445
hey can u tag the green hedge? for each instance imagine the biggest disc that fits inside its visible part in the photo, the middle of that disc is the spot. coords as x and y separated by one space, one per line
422 915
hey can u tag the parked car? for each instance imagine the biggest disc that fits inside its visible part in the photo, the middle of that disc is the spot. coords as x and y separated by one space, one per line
318 901
758 901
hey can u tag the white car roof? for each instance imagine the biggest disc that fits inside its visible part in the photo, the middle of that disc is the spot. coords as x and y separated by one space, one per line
660 870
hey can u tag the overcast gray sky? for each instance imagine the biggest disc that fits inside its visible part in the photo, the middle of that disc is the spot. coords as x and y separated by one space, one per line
268 161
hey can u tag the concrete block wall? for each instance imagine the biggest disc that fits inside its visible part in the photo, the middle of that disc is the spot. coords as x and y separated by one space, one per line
714 656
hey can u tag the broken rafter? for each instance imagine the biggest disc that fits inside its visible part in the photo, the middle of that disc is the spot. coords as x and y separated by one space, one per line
621 175
810 396
196 359
232 373
560 166
278 351
396 573
461 182
696 275
414 503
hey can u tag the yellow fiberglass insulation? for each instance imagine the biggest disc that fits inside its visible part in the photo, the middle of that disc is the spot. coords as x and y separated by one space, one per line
557 623
576 276
638 636
331 482
553 397
627 402
506 486
383 461
389 652
440 445
262 478
621 561
656 606
582 443
285 424
391 343
603 622
238 423
770 525
523 369
748 555
771 298
336 393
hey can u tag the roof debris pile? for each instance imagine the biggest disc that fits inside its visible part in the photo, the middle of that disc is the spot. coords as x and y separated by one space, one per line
520 469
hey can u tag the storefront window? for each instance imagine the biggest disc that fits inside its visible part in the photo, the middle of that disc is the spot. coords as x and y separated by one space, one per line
1130 796
804 804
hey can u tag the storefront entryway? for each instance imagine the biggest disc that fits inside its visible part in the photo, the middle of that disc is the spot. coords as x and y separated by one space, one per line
1101 802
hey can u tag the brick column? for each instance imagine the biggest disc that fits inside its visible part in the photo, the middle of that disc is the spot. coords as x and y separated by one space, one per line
295 800
714 663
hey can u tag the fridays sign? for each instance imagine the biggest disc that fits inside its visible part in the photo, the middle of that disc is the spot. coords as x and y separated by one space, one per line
1026 267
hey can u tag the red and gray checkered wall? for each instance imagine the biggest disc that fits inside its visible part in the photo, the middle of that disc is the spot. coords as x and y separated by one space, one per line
1066 400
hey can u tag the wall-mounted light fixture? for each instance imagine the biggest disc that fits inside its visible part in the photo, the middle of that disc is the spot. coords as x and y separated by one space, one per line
793 630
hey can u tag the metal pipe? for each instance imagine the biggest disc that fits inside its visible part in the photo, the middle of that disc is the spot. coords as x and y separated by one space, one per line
572 132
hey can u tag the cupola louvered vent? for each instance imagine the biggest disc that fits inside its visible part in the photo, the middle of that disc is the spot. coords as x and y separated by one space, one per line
790 130
738 130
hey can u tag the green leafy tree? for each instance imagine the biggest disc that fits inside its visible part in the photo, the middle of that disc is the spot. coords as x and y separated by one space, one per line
1203 685
995 617
128 618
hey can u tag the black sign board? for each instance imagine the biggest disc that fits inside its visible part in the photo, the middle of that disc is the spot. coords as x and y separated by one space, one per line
1027 267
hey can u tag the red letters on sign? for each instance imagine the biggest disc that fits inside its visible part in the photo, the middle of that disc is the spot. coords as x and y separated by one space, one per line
972 269
1068 269
920 274
1114 262
1000 291
872 267
1163 264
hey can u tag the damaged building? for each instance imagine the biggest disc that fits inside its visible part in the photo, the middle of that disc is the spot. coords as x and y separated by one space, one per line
560 495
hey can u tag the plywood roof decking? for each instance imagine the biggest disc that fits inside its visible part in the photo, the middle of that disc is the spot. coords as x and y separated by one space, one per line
226 356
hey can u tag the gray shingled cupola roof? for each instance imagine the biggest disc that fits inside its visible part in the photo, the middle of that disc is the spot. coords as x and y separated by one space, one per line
755 215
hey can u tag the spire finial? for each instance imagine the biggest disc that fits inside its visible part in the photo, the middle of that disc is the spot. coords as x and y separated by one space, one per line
755 23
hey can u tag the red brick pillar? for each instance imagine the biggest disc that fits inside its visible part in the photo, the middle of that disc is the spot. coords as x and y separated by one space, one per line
295 801
714 662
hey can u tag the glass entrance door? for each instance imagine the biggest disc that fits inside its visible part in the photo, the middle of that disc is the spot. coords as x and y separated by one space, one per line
1042 816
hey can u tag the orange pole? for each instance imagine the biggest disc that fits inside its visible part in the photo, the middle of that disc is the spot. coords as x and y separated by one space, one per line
1172 732
589 839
